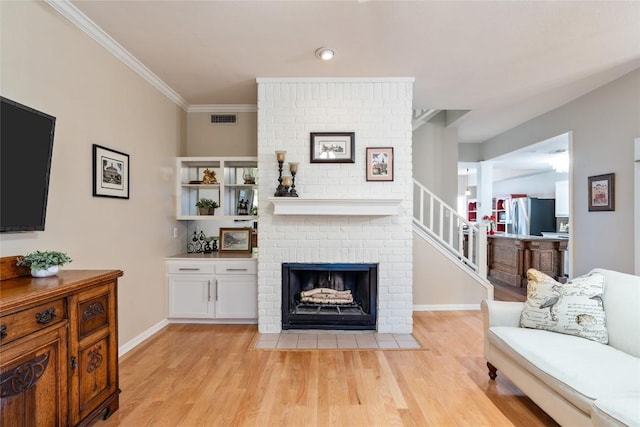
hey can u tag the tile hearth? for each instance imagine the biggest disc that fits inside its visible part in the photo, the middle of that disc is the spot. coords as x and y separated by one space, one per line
336 340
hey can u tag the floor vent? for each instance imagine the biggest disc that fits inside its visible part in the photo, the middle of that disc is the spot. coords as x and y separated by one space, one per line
224 119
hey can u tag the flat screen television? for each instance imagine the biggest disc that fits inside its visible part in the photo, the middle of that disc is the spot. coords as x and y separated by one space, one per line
26 145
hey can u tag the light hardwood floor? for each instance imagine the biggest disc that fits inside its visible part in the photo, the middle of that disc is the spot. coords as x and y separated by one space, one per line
210 375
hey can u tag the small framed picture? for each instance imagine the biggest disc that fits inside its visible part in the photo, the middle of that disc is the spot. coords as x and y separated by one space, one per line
379 163
601 192
333 147
110 173
234 240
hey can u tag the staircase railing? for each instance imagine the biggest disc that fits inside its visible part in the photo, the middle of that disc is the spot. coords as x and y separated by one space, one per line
464 240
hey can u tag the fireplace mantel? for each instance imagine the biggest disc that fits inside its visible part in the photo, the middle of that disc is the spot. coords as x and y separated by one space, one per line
363 207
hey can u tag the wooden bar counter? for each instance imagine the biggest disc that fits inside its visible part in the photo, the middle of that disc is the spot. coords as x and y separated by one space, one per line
509 256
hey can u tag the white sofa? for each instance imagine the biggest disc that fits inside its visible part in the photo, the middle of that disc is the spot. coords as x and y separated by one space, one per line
578 382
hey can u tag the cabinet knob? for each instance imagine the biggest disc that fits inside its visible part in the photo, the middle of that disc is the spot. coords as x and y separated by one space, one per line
74 362
3 331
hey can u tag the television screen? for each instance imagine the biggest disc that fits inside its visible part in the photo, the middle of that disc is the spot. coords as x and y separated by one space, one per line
26 145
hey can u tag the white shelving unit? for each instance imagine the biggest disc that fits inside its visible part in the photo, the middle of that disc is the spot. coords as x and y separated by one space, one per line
228 192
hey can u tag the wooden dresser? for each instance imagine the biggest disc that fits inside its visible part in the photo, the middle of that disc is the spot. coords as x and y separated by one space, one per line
58 348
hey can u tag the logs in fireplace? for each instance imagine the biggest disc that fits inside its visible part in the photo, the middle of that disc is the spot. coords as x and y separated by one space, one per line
329 296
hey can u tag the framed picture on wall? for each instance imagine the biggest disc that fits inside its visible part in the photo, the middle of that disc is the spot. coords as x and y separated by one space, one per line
333 147
379 163
601 192
110 173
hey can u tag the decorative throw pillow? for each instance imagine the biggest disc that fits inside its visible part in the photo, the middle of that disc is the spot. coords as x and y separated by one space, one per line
573 308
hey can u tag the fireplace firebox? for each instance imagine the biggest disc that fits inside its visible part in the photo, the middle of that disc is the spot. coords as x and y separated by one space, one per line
329 296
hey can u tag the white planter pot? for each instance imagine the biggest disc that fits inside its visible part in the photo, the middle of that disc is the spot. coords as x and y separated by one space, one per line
51 271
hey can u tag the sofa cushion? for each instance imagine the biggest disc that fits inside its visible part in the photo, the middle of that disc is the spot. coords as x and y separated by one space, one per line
617 411
578 369
574 308
621 302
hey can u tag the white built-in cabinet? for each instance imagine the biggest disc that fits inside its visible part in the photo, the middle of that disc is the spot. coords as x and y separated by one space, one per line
212 289
229 190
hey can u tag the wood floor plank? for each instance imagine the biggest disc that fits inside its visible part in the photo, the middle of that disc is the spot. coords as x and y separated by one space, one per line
210 375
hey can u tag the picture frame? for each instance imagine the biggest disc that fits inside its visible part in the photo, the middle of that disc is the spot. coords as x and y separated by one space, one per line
110 173
379 163
333 147
602 192
234 239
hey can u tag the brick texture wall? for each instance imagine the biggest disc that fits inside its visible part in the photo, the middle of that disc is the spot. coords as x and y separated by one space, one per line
379 112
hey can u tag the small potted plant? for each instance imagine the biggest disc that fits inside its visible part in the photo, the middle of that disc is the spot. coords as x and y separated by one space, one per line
44 263
206 206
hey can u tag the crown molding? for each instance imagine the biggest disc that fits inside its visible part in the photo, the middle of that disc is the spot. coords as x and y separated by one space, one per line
223 108
80 20
335 79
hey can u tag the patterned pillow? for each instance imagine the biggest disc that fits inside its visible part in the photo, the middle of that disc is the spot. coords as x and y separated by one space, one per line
573 308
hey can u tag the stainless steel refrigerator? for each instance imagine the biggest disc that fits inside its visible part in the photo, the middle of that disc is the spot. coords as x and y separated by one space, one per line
531 216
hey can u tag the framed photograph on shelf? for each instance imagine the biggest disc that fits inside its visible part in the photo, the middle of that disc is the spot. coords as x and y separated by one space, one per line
333 147
601 192
110 173
234 240
379 163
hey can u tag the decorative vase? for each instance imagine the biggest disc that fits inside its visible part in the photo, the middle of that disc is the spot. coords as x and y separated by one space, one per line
51 271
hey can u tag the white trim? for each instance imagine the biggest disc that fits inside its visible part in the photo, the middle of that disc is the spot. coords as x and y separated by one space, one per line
446 307
335 79
80 20
636 197
223 108
365 207
131 344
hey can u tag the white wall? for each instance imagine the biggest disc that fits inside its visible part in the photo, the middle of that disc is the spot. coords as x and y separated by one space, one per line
379 112
49 64
604 124
541 185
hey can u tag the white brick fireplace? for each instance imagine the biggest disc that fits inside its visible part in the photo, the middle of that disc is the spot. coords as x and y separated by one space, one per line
378 229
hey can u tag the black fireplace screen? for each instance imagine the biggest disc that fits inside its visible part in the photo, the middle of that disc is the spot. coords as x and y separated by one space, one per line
329 296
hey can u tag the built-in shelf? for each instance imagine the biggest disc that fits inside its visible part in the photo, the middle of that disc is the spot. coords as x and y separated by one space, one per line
363 207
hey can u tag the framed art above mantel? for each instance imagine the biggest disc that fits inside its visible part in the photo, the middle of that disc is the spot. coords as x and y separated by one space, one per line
333 147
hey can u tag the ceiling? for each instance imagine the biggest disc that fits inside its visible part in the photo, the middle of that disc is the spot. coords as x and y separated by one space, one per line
506 61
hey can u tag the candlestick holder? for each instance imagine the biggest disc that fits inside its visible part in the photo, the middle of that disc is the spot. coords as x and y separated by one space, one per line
280 189
293 192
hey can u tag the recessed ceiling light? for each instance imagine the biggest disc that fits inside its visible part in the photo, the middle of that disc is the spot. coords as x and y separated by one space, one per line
325 53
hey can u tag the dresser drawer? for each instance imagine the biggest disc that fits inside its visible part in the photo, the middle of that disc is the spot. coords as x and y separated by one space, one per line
21 323
190 267
236 267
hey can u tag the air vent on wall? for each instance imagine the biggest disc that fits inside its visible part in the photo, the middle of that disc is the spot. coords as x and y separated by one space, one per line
217 119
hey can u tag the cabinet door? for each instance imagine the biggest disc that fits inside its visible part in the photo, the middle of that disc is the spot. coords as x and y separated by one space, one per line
93 348
191 296
33 376
236 296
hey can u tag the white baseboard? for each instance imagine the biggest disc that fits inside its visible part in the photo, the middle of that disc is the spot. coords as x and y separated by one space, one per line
446 307
130 345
